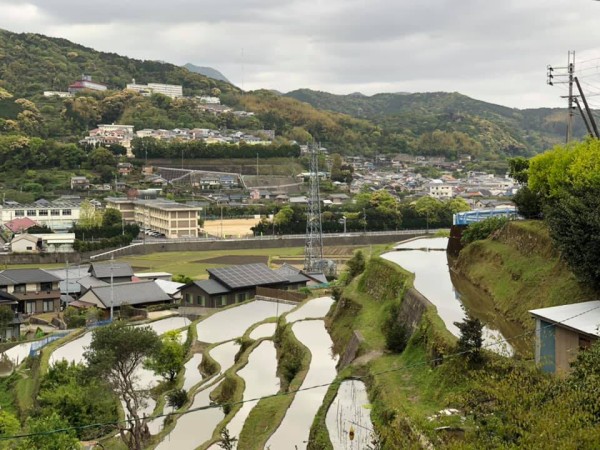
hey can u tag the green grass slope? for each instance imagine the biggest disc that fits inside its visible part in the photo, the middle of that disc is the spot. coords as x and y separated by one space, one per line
520 269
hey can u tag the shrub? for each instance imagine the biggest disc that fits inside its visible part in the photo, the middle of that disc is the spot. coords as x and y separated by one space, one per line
74 318
470 340
395 332
177 398
482 230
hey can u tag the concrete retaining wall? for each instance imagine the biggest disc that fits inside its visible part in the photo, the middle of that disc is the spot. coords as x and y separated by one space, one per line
351 350
412 308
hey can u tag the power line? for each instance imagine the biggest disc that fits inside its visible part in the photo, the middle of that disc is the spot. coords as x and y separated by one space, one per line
308 388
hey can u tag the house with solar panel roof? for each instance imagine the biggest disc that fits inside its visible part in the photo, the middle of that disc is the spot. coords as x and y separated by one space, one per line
235 284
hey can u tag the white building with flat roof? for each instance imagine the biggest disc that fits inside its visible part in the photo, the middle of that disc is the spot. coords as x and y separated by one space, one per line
58 216
170 90
170 218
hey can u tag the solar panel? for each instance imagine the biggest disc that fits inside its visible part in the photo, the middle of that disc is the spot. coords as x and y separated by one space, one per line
246 275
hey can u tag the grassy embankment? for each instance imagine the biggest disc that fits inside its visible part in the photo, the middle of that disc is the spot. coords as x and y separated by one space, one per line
520 270
404 388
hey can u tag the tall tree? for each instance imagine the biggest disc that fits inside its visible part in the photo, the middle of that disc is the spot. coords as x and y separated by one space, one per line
169 359
116 353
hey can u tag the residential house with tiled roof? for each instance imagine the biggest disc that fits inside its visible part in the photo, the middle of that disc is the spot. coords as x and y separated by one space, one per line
36 290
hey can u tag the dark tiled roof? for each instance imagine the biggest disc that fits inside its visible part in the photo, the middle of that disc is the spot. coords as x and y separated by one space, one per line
131 293
246 275
104 270
292 274
19 276
211 287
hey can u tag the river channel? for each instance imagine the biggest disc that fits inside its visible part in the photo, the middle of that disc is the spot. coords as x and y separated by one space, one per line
452 295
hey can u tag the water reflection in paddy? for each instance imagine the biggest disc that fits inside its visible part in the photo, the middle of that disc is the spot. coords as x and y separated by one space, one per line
168 324
224 354
295 427
73 351
312 309
17 353
350 409
194 428
260 379
233 322
264 330
432 279
192 372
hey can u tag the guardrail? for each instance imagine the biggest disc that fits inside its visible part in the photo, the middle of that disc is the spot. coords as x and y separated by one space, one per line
38 345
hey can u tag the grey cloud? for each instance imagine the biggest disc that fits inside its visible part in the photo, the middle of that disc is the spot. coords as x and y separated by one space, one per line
495 51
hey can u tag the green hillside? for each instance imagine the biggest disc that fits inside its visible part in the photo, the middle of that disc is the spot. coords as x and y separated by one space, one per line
442 124
513 131
33 63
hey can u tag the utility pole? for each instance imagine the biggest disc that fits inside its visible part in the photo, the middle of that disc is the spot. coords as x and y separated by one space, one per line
568 72
112 290
592 121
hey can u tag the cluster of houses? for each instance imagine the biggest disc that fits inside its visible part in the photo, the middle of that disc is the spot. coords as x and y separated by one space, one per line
109 286
264 137
114 134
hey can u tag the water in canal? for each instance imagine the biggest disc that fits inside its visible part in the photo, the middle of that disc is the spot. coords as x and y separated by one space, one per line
427 259
295 427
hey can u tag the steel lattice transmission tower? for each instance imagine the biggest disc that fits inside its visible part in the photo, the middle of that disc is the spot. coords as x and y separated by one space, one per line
313 248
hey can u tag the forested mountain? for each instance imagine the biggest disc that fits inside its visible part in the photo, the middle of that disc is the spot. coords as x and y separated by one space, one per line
207 72
444 124
32 63
531 130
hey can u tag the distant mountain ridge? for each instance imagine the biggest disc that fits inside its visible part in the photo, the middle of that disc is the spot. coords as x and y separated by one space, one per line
537 129
431 123
207 72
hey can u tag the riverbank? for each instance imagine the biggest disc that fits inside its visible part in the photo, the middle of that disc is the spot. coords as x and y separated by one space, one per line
520 270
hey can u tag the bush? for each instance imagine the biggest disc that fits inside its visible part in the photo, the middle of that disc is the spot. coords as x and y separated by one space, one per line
482 230
395 332
74 318
177 398
356 265
470 340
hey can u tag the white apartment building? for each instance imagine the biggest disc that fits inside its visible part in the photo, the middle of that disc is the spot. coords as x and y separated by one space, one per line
170 90
439 189
170 218
58 216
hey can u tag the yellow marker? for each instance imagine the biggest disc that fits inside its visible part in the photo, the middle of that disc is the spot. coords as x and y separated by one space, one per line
351 433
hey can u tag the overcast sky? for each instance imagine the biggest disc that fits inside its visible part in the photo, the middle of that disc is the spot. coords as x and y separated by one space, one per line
495 51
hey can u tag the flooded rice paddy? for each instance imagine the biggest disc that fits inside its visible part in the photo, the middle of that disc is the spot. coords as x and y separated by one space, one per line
350 410
233 322
295 427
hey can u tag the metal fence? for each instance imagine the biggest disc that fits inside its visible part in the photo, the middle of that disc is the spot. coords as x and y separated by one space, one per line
38 345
